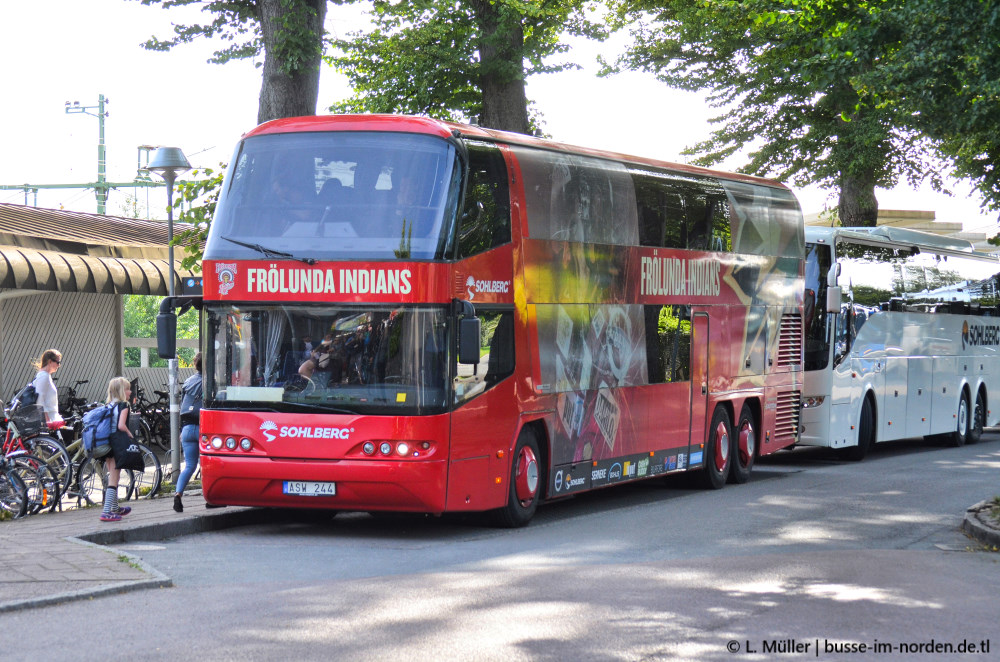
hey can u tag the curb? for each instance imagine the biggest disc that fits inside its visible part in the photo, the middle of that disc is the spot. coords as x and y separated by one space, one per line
183 527
974 526
143 533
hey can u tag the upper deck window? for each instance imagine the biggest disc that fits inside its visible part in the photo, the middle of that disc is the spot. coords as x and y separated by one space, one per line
338 195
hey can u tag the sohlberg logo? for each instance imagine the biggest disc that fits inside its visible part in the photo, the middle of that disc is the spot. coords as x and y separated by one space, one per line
303 431
266 427
473 286
980 334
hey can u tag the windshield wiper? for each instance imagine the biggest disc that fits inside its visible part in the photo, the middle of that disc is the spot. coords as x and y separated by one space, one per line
269 252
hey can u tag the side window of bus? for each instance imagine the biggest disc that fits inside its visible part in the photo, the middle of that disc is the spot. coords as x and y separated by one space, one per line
485 219
708 220
668 343
661 212
497 356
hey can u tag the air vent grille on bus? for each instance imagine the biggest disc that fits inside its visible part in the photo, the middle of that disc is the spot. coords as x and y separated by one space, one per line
790 340
786 418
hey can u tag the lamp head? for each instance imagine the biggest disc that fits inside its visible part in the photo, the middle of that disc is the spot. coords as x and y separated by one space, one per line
167 162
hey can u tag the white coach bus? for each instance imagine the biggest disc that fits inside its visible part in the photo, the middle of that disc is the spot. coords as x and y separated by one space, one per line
902 338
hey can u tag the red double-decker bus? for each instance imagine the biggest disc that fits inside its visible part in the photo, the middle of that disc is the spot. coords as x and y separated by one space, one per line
403 314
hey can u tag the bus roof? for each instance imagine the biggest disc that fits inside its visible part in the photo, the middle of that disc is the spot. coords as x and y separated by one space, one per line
887 236
430 126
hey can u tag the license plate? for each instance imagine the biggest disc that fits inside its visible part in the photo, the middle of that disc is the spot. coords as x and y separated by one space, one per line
309 488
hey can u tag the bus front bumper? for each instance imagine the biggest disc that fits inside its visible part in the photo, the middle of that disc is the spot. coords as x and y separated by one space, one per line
378 485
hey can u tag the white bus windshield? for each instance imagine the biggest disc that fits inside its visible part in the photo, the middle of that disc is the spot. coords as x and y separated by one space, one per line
338 195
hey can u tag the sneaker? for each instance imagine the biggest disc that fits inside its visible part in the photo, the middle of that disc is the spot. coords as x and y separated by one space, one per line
111 517
178 506
124 510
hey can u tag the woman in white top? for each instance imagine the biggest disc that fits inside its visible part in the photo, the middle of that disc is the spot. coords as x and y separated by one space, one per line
48 397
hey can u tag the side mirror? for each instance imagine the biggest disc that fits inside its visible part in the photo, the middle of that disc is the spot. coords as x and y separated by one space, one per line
834 299
166 335
833 274
468 340
468 332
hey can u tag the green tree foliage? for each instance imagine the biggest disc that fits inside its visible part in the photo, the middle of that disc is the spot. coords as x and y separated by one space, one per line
201 196
289 33
941 72
139 321
784 75
459 59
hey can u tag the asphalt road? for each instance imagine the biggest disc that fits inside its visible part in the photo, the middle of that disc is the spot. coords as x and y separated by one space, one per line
813 558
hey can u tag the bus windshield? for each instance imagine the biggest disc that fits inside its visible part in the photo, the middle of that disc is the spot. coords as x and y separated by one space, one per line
347 359
338 195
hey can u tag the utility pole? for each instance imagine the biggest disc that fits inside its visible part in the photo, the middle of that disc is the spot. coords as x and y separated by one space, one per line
101 188
102 185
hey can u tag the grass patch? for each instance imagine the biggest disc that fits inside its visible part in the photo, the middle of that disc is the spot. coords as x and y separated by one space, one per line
125 559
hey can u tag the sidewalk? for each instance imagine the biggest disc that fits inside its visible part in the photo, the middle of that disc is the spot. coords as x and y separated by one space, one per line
55 557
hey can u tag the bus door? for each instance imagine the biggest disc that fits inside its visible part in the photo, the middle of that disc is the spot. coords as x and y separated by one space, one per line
699 379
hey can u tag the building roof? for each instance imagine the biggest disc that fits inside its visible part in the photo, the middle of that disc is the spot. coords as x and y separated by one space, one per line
64 251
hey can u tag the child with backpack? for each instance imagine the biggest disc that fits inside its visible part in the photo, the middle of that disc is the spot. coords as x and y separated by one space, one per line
119 394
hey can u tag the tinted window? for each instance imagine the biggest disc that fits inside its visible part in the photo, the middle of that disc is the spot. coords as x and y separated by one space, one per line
485 220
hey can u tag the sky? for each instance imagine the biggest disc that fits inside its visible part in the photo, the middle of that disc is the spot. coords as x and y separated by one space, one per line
71 50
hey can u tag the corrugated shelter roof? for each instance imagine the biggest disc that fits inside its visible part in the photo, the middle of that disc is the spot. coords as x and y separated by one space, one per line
64 251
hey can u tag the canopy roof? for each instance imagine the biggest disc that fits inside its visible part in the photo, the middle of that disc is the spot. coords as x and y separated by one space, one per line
63 251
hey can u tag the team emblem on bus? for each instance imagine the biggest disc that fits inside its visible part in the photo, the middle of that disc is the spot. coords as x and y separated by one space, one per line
227 276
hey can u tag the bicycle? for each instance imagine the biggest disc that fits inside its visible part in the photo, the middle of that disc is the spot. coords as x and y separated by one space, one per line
41 484
28 431
13 492
153 425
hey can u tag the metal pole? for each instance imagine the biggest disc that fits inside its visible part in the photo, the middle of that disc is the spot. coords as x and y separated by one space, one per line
102 189
175 408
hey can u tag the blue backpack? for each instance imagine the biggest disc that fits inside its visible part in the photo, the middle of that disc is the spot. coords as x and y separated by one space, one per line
98 424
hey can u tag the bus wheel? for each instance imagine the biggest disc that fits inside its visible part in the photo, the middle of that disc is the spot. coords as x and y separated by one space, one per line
523 491
978 419
744 445
959 435
866 434
717 455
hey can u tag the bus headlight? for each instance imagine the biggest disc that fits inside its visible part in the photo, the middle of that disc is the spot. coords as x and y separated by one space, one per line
246 444
216 443
386 448
368 448
230 443
403 448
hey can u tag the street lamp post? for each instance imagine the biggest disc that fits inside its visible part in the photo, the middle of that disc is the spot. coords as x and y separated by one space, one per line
168 162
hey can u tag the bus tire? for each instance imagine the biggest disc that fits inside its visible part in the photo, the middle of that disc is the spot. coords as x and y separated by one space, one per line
524 487
866 433
959 435
744 447
978 420
717 456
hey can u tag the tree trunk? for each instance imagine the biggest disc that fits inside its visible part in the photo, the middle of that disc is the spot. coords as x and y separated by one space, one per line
501 78
858 206
293 49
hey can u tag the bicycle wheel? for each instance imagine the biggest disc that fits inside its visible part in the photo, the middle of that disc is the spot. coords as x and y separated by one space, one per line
13 494
39 480
54 454
90 481
147 483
